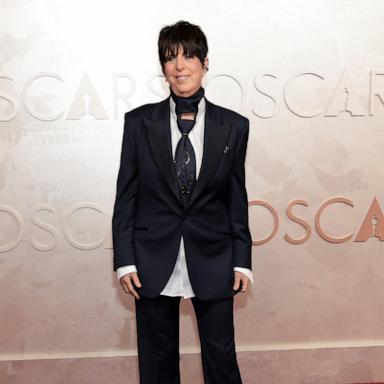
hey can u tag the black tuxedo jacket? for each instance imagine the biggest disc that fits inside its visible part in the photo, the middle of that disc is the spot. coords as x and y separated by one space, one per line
149 217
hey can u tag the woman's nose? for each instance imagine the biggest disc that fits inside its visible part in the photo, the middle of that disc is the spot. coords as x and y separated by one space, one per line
179 62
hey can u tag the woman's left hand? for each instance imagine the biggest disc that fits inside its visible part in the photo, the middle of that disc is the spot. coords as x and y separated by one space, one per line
240 277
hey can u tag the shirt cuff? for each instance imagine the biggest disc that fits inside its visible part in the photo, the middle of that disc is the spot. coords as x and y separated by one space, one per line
125 270
246 272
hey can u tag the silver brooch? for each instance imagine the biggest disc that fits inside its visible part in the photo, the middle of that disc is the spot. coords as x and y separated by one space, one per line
226 148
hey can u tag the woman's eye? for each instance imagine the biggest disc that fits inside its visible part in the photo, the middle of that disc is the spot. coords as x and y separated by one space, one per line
188 54
169 57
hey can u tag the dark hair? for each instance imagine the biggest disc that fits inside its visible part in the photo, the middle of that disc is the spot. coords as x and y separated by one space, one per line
189 36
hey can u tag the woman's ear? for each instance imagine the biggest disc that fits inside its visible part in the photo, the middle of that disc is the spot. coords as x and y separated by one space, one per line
206 64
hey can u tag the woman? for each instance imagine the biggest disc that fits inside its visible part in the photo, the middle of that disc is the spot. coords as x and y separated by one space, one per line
180 221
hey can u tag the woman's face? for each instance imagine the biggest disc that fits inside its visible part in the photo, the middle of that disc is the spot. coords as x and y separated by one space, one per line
184 73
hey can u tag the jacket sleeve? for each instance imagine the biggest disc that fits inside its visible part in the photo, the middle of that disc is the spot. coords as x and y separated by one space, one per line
242 250
126 196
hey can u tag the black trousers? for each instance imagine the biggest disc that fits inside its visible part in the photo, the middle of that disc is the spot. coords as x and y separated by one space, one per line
157 321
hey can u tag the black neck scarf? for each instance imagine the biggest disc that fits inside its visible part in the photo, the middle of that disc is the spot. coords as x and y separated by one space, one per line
187 104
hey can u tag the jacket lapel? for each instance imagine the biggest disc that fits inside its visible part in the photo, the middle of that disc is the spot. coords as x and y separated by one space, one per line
159 136
216 134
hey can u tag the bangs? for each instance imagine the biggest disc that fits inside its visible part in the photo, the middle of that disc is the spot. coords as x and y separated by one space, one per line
172 47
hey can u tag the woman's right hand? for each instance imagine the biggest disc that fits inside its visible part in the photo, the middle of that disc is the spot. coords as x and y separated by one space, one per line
129 282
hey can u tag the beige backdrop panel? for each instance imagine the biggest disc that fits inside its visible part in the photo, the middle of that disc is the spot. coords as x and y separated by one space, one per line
308 74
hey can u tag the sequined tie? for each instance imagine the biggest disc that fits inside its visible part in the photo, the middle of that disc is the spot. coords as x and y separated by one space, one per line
185 160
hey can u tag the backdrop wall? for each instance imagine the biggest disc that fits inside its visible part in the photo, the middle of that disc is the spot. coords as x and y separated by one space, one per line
310 77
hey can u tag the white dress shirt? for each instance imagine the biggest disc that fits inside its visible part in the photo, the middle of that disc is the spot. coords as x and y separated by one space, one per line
179 283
